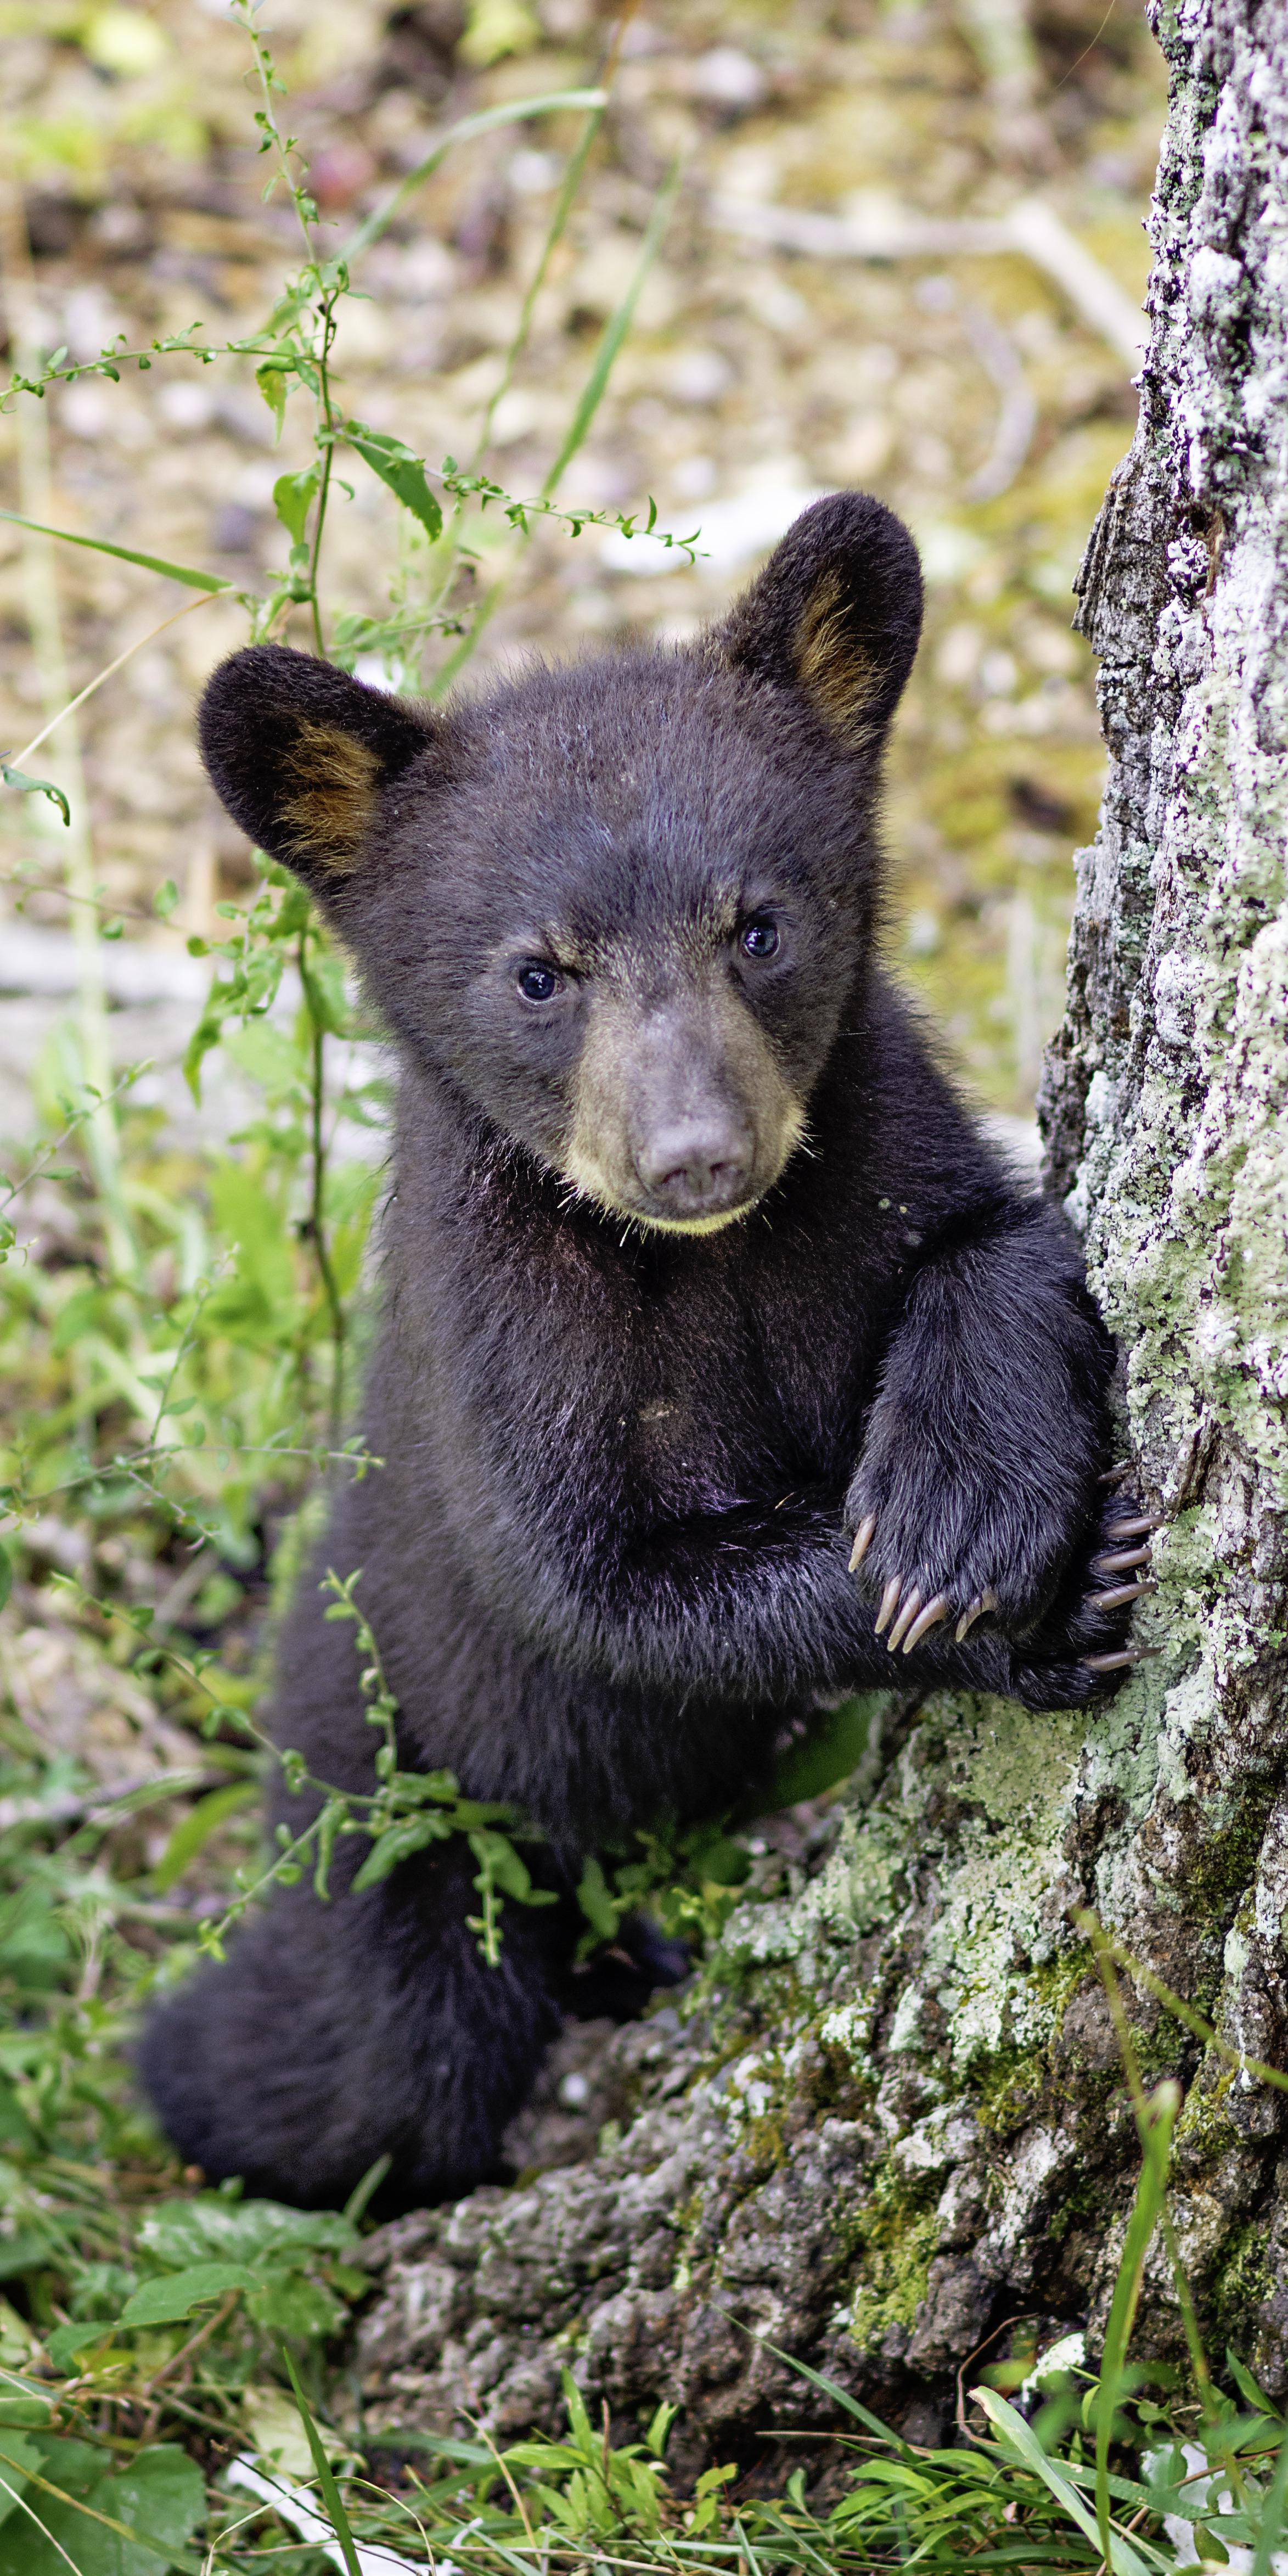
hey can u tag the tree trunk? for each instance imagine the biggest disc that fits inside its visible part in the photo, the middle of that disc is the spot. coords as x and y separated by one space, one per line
893 2116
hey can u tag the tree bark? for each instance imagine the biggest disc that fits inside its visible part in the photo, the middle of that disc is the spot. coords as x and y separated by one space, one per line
892 2116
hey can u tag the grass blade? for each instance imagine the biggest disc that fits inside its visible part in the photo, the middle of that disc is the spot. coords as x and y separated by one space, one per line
614 334
1157 2128
365 2190
1272 2515
331 2496
513 112
1021 2441
840 2397
126 554
567 197
593 394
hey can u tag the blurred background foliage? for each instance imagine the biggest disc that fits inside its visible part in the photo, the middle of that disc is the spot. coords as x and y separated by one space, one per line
964 385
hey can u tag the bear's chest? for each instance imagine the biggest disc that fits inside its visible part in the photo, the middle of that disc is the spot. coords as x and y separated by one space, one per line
726 1400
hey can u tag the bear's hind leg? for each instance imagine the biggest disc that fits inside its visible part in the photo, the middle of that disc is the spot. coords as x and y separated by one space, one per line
370 2025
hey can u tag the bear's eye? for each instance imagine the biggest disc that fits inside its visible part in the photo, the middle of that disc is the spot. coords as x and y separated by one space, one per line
761 938
539 983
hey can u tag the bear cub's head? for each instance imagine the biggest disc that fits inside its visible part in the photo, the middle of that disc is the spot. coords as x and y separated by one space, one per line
620 905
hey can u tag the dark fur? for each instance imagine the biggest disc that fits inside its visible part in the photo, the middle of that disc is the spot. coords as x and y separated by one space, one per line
606 1558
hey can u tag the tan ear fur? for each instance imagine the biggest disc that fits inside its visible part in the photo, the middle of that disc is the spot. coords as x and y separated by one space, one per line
329 800
832 664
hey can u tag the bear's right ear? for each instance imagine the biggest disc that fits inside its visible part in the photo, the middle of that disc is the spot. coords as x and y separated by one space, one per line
834 616
299 754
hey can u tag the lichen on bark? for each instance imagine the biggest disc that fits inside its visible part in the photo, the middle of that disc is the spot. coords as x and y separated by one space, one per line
890 2114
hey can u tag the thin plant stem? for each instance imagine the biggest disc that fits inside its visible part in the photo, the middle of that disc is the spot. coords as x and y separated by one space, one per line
326 450
1091 1926
317 1212
503 2466
1189 2318
107 673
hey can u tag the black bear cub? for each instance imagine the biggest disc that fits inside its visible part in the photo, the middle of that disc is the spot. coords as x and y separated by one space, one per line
723 1367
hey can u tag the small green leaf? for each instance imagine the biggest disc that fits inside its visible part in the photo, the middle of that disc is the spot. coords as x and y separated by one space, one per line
828 1754
210 2228
400 468
273 380
596 1904
66 2343
163 2303
162 2496
293 497
34 786
165 899
195 1831
723 1863
288 2304
398 1844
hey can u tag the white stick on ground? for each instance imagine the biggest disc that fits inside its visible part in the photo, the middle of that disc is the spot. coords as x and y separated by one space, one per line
296 2506
881 229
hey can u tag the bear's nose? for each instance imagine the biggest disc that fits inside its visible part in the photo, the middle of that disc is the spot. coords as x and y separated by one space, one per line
697 1164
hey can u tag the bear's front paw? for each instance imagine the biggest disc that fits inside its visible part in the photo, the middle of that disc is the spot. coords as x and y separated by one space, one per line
963 1565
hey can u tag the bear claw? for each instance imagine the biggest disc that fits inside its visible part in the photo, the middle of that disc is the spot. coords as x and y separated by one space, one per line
913 1616
1122 1560
1139 1527
982 1602
863 1538
908 1609
1117 1662
928 1618
889 1603
1121 1594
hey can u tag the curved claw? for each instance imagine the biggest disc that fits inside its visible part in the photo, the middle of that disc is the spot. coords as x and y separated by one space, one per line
1139 1527
1117 1663
928 1618
863 1538
889 1602
1117 1599
1116 1475
1122 1560
986 1600
908 1609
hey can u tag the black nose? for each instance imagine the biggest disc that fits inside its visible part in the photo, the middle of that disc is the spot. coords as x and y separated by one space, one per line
697 1165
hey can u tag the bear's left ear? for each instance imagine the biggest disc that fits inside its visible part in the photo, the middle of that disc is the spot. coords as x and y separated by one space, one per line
299 754
836 615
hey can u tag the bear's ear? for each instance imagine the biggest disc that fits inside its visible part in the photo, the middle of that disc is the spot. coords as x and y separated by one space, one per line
836 614
299 754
